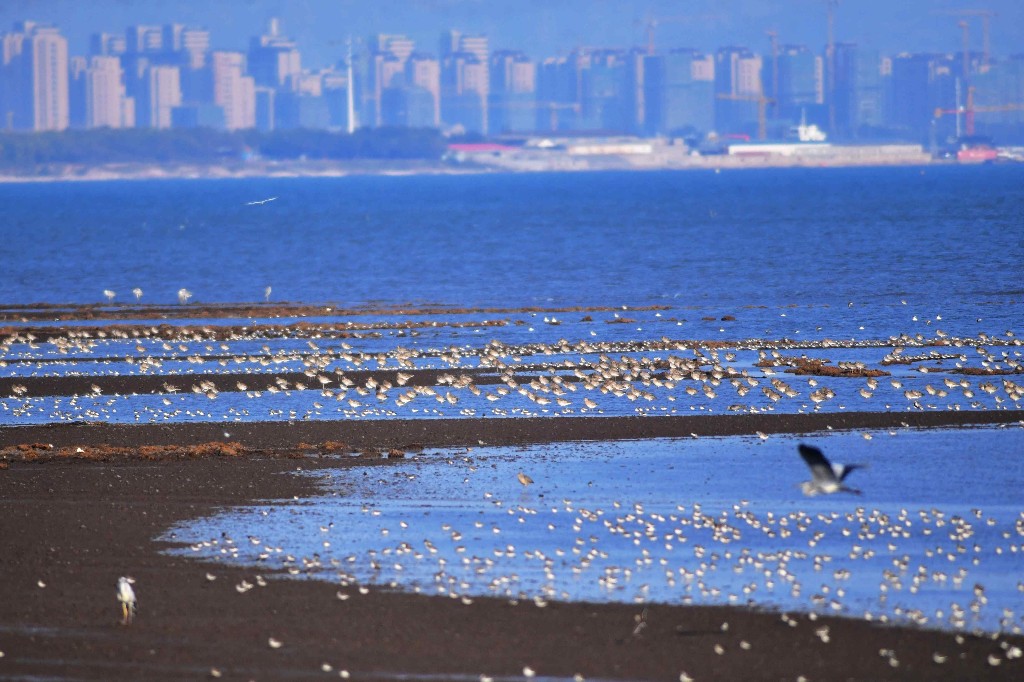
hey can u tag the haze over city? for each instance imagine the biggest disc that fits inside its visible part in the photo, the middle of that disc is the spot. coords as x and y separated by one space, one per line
541 28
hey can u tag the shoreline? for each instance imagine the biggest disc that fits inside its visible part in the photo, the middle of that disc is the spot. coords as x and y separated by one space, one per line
75 526
331 169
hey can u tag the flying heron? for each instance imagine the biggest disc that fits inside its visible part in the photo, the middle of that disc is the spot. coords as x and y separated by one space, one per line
826 477
126 596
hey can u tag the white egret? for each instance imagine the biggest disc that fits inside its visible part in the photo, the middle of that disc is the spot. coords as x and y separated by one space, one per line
126 597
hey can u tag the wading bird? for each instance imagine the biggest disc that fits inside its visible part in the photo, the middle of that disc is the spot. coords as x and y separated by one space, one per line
826 477
183 295
126 596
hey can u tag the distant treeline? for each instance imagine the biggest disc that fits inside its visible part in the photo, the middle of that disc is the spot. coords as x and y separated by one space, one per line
204 145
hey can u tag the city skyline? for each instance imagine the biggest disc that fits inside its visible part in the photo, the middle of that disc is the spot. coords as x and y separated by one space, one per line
179 75
544 29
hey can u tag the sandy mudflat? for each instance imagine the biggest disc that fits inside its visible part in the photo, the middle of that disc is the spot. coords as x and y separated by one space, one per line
77 525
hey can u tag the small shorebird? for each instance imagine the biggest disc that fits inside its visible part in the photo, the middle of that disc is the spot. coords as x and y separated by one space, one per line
826 478
524 479
126 597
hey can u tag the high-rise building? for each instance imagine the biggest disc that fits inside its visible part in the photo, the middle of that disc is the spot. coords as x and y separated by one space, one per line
603 92
408 106
635 90
274 60
265 108
385 68
558 94
737 90
163 95
799 88
34 88
187 46
513 93
78 68
143 39
423 72
465 81
105 105
233 91
679 93
858 91
12 79
335 83
106 44
919 84
383 71
398 46
41 97
144 47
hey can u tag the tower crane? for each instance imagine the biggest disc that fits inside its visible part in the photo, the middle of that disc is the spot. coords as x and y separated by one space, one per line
762 103
969 110
651 25
773 36
986 21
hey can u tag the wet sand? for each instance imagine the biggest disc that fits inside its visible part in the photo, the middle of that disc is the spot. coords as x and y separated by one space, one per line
78 525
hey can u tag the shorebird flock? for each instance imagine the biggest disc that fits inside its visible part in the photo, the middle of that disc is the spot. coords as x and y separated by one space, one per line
352 366
636 522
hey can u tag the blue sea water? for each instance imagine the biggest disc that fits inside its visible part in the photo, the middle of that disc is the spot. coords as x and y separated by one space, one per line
943 235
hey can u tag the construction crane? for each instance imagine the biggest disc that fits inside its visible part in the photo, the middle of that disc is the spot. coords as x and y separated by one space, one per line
969 110
762 103
966 28
651 25
773 36
986 21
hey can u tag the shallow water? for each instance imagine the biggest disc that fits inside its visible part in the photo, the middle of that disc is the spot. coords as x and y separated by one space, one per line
936 538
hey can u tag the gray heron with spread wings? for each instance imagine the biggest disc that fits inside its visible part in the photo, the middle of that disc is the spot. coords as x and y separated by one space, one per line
826 477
